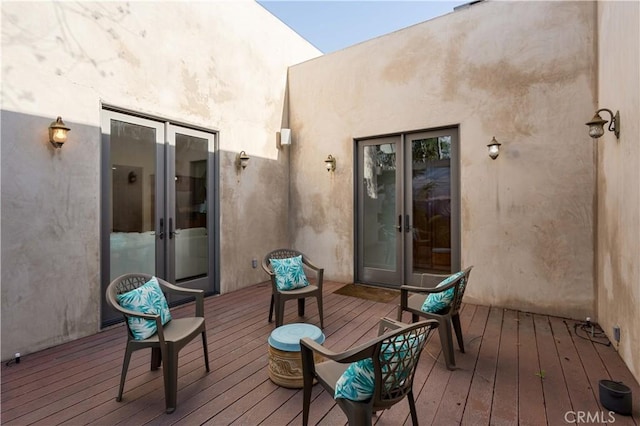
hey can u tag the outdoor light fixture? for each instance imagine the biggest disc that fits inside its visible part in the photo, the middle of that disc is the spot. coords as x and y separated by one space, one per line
330 163
285 136
243 160
494 148
58 132
596 125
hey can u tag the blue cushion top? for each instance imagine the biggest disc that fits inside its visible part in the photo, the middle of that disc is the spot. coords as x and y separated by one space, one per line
287 337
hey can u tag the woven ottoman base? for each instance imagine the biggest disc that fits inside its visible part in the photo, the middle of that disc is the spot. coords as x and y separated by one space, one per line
285 360
285 368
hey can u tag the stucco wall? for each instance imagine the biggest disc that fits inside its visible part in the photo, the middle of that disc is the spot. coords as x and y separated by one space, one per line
219 65
618 178
523 72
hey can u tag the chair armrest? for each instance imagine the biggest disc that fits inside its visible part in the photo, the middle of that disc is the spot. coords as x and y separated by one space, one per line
130 313
389 324
316 347
311 265
266 267
360 352
356 354
174 289
152 317
318 271
416 289
183 291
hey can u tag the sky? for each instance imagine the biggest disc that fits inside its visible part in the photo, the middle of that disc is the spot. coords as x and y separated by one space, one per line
333 25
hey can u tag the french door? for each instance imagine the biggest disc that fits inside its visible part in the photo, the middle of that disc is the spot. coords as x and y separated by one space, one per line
408 208
158 209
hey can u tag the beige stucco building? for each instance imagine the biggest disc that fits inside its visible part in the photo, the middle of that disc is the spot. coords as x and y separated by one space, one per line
551 226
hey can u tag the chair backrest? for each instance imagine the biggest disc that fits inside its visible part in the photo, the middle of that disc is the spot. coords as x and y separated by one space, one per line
282 253
459 293
123 284
395 360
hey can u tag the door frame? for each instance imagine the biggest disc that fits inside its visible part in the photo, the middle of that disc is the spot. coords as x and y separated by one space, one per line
162 157
404 273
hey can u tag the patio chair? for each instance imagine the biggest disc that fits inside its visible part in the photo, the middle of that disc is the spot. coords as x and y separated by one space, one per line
441 303
165 336
370 377
279 295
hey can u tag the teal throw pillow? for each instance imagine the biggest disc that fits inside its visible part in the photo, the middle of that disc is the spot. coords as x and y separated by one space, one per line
357 382
146 299
289 273
437 302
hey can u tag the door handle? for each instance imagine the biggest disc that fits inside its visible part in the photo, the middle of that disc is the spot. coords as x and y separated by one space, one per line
161 233
407 227
171 231
399 225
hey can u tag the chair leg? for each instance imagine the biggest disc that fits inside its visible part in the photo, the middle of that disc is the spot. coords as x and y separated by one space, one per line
279 305
123 375
412 408
307 379
455 320
156 358
319 300
358 413
446 341
301 307
170 372
206 351
271 309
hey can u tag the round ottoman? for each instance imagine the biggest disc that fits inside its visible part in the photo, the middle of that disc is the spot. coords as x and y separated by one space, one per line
285 361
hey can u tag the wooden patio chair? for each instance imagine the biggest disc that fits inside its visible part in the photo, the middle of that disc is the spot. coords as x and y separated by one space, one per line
279 297
384 366
448 298
167 339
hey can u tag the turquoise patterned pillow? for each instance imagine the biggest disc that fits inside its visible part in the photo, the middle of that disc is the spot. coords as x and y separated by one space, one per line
146 299
436 302
289 273
357 382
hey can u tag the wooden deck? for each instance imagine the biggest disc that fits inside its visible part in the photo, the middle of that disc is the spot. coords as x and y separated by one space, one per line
518 368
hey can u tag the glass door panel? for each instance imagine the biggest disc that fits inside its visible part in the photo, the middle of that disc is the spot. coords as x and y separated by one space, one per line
431 201
190 251
380 223
133 173
131 198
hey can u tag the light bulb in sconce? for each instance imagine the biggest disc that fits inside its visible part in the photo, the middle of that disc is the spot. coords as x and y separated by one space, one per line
58 133
494 148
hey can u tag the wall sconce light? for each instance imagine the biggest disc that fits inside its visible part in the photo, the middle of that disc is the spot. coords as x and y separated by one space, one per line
58 132
243 160
596 125
330 163
494 148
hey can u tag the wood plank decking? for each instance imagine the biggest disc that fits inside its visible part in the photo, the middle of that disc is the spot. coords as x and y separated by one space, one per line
518 368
